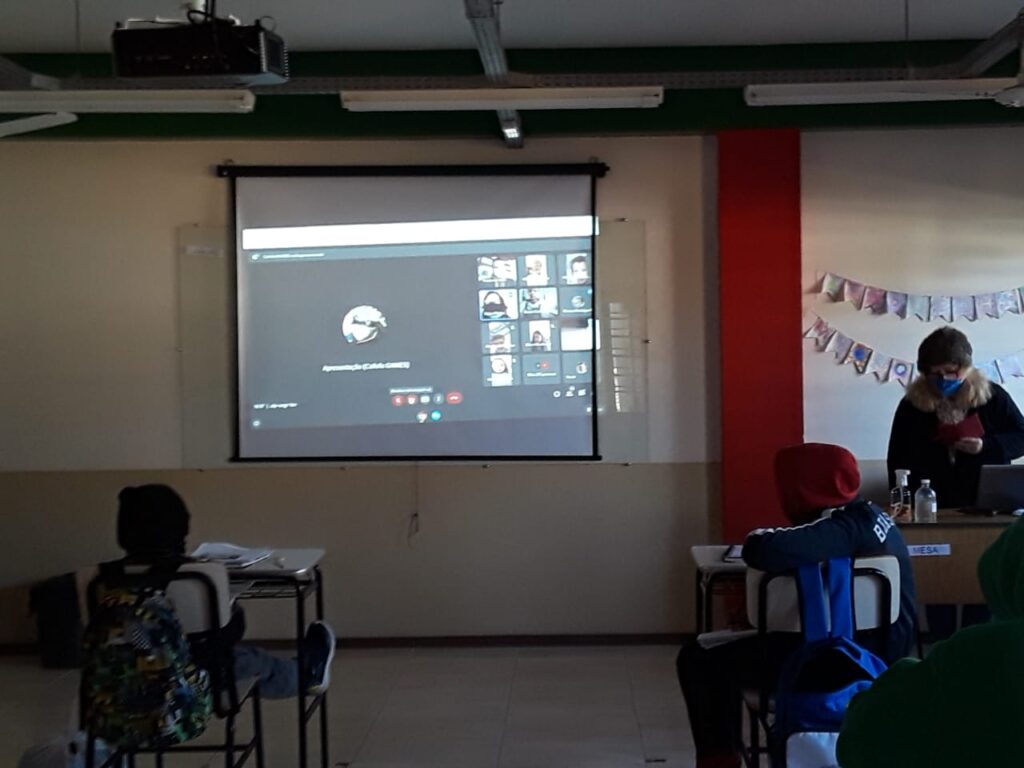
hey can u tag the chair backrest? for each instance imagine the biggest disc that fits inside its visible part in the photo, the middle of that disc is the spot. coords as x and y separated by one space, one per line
876 588
190 595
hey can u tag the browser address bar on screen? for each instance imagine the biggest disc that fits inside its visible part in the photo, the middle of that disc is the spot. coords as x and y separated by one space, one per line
410 232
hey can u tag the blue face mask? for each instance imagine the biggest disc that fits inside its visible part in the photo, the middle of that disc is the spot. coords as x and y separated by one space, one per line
946 387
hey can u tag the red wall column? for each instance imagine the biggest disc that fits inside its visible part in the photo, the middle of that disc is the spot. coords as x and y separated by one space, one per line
762 377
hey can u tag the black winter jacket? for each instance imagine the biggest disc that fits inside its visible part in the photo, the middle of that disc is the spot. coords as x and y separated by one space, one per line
953 474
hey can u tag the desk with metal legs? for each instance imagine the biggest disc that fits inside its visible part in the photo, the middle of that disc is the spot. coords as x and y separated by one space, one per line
292 574
711 569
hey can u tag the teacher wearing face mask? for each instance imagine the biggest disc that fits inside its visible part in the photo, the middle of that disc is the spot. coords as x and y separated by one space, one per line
951 421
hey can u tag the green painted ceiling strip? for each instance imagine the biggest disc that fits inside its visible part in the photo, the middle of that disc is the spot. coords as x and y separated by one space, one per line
691 111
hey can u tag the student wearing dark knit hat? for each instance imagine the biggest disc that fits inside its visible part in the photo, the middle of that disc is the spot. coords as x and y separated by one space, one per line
152 526
951 421
818 486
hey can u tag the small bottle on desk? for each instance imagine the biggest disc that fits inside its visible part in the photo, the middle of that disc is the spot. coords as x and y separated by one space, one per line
900 502
926 507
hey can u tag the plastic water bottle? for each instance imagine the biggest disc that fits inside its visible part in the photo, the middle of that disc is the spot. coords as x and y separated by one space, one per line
900 502
926 506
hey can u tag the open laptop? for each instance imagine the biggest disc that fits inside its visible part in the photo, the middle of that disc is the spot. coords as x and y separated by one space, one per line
1001 488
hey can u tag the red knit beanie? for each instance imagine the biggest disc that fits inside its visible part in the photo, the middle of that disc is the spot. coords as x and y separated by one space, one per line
813 477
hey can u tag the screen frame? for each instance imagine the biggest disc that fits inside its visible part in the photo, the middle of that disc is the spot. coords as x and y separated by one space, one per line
232 172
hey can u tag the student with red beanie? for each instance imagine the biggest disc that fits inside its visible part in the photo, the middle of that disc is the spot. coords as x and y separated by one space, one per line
818 486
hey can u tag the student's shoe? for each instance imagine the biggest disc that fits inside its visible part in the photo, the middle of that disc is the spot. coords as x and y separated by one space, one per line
319 649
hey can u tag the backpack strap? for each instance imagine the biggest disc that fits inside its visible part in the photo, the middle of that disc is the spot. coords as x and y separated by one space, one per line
813 617
840 597
821 621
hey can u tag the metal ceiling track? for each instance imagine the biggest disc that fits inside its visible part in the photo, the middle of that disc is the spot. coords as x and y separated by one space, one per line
483 17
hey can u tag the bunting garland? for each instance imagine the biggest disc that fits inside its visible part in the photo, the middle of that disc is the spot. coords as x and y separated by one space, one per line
865 359
879 301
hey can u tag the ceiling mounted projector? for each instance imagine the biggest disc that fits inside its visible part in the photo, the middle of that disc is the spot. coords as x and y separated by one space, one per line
220 51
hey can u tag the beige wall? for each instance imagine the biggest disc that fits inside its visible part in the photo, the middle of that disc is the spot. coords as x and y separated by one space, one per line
920 211
553 549
93 401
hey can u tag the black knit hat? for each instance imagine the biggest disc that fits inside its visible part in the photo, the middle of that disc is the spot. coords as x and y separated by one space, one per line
946 345
151 519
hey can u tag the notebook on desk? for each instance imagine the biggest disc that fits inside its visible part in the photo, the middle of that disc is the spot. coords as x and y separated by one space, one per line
1001 488
231 555
734 554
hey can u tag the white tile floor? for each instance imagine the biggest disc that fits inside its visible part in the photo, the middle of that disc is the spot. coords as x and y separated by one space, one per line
550 707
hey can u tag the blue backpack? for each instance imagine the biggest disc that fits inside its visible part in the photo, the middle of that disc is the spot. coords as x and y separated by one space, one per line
820 678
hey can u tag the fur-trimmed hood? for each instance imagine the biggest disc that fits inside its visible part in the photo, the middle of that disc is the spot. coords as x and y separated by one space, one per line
975 392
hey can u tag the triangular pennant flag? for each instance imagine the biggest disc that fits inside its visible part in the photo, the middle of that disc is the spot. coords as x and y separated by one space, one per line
896 304
963 306
986 304
824 342
902 371
822 334
991 371
841 345
879 366
1008 301
919 305
874 300
817 329
854 293
1009 366
859 355
941 308
832 286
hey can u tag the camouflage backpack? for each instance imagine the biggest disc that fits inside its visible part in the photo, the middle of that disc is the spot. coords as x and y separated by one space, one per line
140 687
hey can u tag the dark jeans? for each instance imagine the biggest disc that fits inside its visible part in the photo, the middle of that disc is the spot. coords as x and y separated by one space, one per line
279 677
713 679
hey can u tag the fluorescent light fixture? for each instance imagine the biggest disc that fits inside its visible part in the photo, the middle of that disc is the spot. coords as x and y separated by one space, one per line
511 132
466 99
416 232
128 101
874 91
35 123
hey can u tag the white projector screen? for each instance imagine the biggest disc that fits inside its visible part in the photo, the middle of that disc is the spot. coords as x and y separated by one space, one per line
415 313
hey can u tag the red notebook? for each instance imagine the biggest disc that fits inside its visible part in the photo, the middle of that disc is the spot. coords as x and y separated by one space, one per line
948 434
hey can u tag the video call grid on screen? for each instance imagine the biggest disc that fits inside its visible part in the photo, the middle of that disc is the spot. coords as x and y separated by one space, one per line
417 336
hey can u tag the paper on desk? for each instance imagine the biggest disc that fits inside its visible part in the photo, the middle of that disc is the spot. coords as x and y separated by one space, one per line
232 555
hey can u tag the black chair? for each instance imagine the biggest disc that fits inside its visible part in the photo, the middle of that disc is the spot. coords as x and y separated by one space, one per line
201 598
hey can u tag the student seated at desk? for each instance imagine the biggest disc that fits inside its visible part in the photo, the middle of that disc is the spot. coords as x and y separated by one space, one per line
962 704
152 525
818 487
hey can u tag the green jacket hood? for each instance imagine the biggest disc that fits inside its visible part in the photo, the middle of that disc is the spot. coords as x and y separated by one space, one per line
1001 574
